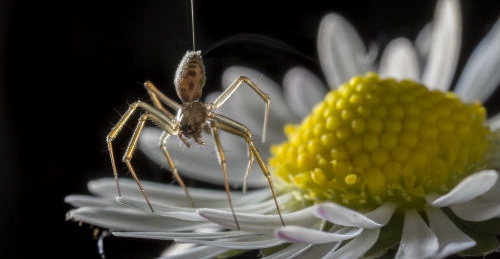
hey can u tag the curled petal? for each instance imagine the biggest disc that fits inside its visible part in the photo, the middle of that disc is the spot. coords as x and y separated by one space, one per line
445 45
341 215
308 235
468 189
302 90
418 240
341 52
480 76
451 239
482 208
400 60
357 247
382 214
198 252
291 251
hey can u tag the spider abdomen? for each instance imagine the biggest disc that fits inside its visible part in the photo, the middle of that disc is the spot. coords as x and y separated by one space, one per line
190 77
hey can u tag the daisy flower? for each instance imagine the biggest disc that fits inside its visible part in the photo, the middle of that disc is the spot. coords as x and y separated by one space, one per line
387 162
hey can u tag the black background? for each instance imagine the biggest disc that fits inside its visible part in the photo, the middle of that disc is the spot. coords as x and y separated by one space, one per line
69 69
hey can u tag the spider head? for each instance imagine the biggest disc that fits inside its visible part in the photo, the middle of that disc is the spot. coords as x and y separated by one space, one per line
192 119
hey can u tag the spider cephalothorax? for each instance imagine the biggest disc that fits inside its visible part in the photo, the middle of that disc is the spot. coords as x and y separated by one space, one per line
193 119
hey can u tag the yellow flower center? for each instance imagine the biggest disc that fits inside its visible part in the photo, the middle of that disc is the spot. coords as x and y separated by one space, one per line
373 140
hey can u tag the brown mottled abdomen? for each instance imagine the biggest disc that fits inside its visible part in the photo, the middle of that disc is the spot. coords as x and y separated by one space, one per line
190 77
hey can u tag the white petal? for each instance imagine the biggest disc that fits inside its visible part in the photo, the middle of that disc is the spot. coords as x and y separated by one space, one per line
423 43
357 247
250 242
291 251
174 195
482 208
341 215
399 60
308 235
341 52
199 252
167 211
89 201
382 214
468 189
445 45
480 75
319 250
127 219
258 223
494 122
302 90
201 162
169 235
417 240
451 239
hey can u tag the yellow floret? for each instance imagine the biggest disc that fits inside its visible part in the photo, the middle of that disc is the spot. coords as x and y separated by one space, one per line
373 140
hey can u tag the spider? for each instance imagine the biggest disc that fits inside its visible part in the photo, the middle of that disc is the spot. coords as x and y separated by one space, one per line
192 118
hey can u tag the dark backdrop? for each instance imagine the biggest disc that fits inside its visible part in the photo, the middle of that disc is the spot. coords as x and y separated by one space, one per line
69 69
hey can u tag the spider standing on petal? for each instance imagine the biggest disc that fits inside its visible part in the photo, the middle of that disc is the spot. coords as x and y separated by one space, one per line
394 161
193 117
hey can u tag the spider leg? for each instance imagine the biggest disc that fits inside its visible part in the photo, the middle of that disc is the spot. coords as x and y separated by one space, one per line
222 161
224 96
173 168
231 126
251 158
152 113
158 98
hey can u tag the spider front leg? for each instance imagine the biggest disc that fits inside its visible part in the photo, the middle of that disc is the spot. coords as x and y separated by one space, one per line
153 114
158 98
224 96
231 126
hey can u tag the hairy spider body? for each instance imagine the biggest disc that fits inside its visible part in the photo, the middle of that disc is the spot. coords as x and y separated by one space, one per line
191 120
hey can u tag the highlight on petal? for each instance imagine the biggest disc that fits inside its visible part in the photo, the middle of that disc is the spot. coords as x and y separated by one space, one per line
418 240
173 195
341 51
399 60
291 251
341 215
494 122
128 219
197 252
445 45
88 201
308 235
357 247
259 223
302 90
468 189
423 43
480 75
484 207
451 239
